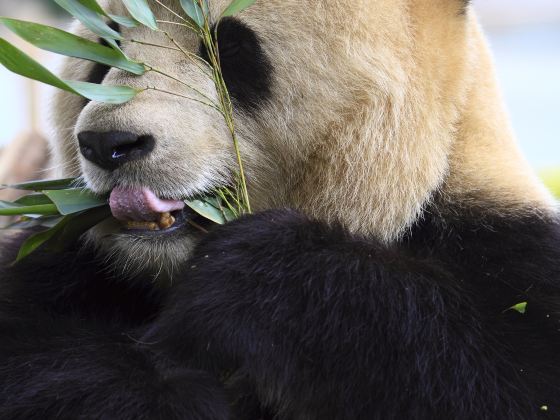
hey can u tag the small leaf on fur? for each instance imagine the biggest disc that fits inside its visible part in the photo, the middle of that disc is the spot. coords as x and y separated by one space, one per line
520 307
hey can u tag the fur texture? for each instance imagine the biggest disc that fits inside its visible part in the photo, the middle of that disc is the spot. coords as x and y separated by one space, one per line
299 320
385 294
369 110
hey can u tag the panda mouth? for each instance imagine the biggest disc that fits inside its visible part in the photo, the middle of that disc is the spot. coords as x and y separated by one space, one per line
140 211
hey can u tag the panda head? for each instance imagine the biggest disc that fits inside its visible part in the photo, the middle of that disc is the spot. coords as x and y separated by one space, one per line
350 111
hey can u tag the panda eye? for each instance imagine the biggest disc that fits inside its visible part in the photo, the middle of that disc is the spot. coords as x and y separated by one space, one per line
99 71
229 49
245 66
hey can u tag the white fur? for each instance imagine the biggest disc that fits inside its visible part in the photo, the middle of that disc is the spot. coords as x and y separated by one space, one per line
376 105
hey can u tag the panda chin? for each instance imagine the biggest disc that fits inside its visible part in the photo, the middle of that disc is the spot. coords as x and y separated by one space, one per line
133 254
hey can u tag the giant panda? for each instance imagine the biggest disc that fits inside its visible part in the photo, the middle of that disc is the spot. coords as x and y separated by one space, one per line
396 228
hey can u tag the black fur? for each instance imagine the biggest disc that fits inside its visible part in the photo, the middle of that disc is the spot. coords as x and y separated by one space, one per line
246 68
297 320
99 71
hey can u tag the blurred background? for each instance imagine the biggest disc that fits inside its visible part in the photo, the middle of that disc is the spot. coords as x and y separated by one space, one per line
524 35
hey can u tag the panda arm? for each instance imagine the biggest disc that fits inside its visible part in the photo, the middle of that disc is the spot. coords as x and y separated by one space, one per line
67 348
329 326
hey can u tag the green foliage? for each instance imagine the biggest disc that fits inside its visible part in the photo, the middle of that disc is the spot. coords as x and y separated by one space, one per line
237 6
194 11
520 307
20 63
65 207
91 20
68 212
61 42
140 11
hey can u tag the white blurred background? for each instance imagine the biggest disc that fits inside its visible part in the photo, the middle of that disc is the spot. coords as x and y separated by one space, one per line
524 35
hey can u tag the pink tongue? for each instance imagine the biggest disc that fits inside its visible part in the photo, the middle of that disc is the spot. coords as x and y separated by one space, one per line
140 205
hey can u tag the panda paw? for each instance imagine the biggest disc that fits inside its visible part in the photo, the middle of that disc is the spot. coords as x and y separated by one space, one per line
254 292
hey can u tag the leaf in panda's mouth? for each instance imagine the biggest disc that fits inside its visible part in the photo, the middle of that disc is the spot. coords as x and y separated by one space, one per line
68 212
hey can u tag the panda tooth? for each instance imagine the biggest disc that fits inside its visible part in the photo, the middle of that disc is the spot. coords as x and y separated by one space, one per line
166 220
134 225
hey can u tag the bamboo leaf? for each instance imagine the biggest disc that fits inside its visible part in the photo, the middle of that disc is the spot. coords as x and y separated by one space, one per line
140 11
206 210
65 232
237 6
103 93
93 5
61 42
33 200
36 240
193 11
520 307
90 18
74 200
20 63
25 222
46 184
12 209
124 21
121 20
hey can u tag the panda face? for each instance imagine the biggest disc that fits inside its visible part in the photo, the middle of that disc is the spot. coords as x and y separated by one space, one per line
326 97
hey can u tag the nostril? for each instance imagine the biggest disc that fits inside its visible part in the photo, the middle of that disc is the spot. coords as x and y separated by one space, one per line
142 146
112 149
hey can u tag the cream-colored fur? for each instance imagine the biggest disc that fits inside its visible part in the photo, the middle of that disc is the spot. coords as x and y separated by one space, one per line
376 106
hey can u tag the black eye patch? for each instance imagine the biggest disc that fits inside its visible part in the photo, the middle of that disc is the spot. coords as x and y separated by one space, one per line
245 66
99 71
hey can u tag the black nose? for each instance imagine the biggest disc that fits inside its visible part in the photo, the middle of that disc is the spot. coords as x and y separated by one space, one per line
112 149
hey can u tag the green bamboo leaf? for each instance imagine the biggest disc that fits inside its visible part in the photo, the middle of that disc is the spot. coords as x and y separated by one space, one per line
206 210
77 225
520 307
90 18
20 63
33 200
194 12
64 232
25 222
46 184
140 11
12 209
61 42
8 205
93 5
103 93
218 202
228 214
124 21
237 6
121 20
74 200
36 240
